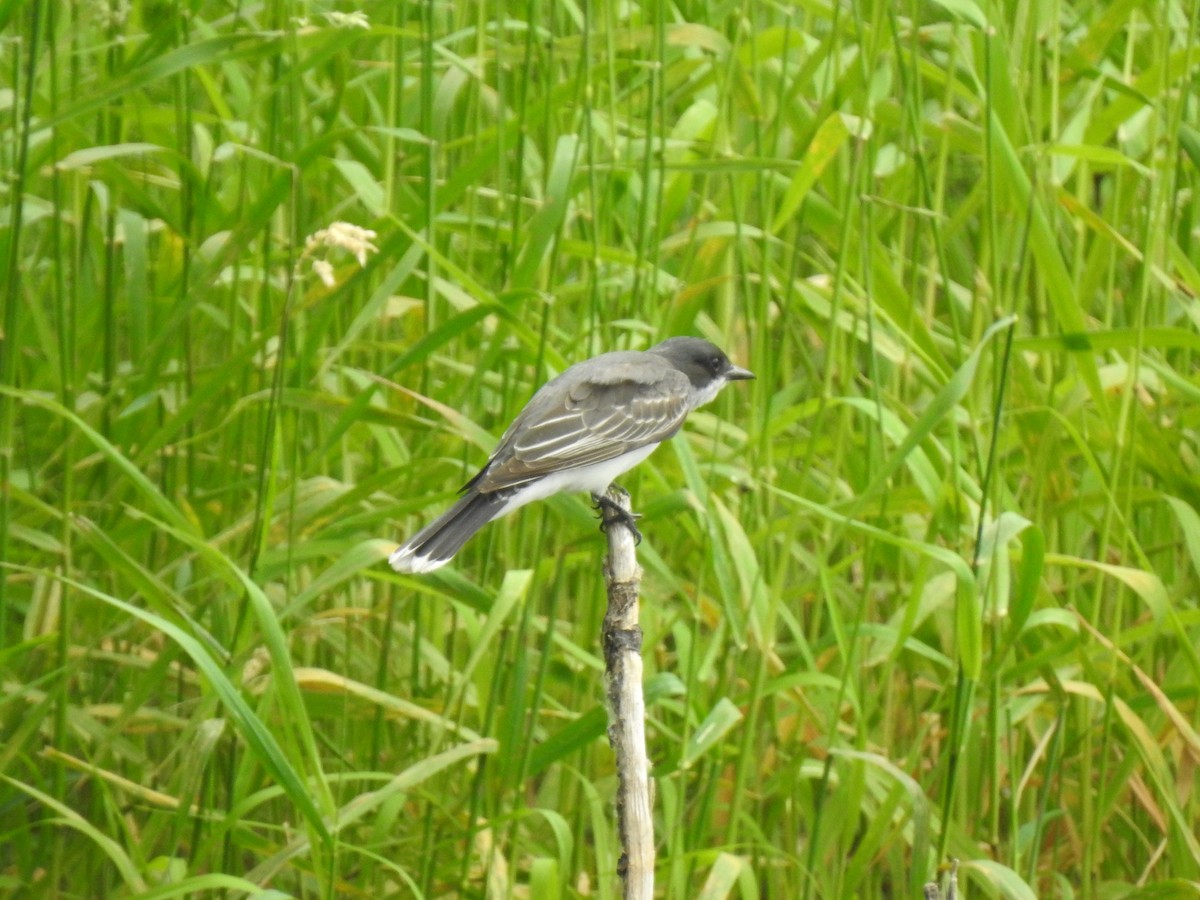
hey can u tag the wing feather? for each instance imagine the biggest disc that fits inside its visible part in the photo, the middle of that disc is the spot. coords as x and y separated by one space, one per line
586 423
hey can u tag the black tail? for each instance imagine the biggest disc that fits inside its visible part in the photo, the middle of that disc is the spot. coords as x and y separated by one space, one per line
435 544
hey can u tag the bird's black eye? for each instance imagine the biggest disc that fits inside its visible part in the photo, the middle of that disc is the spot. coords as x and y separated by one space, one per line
714 363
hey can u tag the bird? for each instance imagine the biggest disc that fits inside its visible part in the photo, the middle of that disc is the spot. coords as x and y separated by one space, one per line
581 430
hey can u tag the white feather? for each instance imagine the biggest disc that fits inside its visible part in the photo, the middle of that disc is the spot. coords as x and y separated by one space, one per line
404 560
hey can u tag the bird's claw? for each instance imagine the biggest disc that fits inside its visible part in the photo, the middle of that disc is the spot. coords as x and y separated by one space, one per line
610 511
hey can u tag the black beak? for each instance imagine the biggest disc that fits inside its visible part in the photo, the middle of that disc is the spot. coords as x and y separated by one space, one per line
737 373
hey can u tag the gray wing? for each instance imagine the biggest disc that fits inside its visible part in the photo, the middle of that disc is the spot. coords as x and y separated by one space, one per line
592 421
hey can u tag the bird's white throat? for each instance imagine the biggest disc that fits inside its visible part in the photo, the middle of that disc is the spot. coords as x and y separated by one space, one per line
707 393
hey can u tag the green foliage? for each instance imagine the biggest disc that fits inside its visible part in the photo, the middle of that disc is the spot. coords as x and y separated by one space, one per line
925 589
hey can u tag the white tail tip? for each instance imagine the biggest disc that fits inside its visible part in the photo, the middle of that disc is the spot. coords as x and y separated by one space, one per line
404 560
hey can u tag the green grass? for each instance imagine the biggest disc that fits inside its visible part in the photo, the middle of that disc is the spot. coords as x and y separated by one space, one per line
925 589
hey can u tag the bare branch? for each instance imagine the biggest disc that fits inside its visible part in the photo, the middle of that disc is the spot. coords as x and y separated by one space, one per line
622 640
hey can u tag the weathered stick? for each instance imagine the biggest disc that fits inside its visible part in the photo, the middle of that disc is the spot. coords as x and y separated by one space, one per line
622 641
932 892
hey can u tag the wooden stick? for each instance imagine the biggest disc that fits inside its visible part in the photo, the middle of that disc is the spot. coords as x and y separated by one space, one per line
932 892
622 641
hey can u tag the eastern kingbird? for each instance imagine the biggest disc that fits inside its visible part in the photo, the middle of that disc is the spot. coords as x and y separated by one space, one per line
596 420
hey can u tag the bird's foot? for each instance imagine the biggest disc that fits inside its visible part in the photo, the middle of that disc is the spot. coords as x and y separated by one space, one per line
610 511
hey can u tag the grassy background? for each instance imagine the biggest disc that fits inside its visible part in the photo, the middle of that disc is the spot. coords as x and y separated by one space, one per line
925 589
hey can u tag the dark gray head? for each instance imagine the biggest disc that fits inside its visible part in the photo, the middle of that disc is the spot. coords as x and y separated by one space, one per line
707 368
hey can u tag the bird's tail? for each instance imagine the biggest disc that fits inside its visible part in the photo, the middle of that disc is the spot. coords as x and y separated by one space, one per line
435 544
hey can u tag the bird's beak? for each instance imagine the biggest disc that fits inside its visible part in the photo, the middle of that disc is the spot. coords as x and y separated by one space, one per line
737 373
